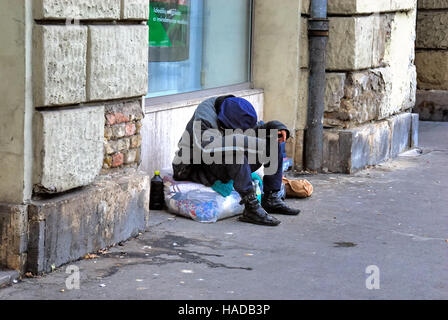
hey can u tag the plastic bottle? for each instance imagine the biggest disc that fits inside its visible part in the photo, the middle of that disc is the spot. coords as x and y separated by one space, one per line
157 197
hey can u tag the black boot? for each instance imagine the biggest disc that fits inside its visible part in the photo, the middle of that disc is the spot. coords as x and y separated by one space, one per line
254 213
273 203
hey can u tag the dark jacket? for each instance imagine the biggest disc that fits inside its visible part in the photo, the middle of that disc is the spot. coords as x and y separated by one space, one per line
184 165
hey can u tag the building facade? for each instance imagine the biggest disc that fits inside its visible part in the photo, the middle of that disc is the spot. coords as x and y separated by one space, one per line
432 60
96 94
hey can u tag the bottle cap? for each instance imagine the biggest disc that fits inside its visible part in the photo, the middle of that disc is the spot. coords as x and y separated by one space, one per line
157 173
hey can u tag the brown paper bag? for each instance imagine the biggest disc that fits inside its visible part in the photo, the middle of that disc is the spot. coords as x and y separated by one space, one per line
298 188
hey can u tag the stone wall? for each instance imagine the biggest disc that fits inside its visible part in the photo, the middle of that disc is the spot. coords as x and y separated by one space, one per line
82 65
82 70
13 236
297 142
370 64
62 229
371 76
432 60
16 105
277 68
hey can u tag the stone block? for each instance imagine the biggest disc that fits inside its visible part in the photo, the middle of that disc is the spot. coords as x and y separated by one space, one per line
351 7
344 48
400 29
400 53
114 146
356 42
124 144
357 6
110 147
348 150
125 111
135 10
337 146
363 42
107 163
370 144
130 129
136 141
432 70
400 126
118 131
432 31
117 160
59 65
356 97
334 91
13 236
118 62
77 9
130 156
108 133
69 148
433 4
380 92
432 105
403 5
415 124
403 92
65 228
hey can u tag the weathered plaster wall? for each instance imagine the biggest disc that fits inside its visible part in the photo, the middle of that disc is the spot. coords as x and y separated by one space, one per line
280 59
16 101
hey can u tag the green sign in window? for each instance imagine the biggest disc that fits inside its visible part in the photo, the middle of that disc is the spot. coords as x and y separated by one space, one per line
169 30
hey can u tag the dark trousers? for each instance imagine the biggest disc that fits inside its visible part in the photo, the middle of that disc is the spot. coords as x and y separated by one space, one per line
241 174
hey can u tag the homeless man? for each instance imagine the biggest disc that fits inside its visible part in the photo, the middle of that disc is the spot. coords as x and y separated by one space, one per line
222 142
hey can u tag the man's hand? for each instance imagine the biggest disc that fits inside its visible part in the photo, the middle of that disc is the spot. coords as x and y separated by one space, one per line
282 136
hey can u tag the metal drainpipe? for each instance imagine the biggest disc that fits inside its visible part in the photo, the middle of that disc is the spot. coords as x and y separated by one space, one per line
318 27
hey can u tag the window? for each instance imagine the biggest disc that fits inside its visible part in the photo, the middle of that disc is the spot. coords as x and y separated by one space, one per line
198 44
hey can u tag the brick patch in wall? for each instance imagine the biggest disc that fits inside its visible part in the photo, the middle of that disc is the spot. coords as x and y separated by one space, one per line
122 138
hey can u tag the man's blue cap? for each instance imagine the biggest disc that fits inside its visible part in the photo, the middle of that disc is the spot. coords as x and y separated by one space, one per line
237 113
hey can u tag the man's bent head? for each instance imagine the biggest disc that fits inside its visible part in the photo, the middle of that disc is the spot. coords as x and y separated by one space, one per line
237 113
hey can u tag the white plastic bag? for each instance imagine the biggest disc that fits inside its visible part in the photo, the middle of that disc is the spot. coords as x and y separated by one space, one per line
198 202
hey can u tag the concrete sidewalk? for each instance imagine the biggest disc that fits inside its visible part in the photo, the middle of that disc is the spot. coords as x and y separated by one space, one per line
393 216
